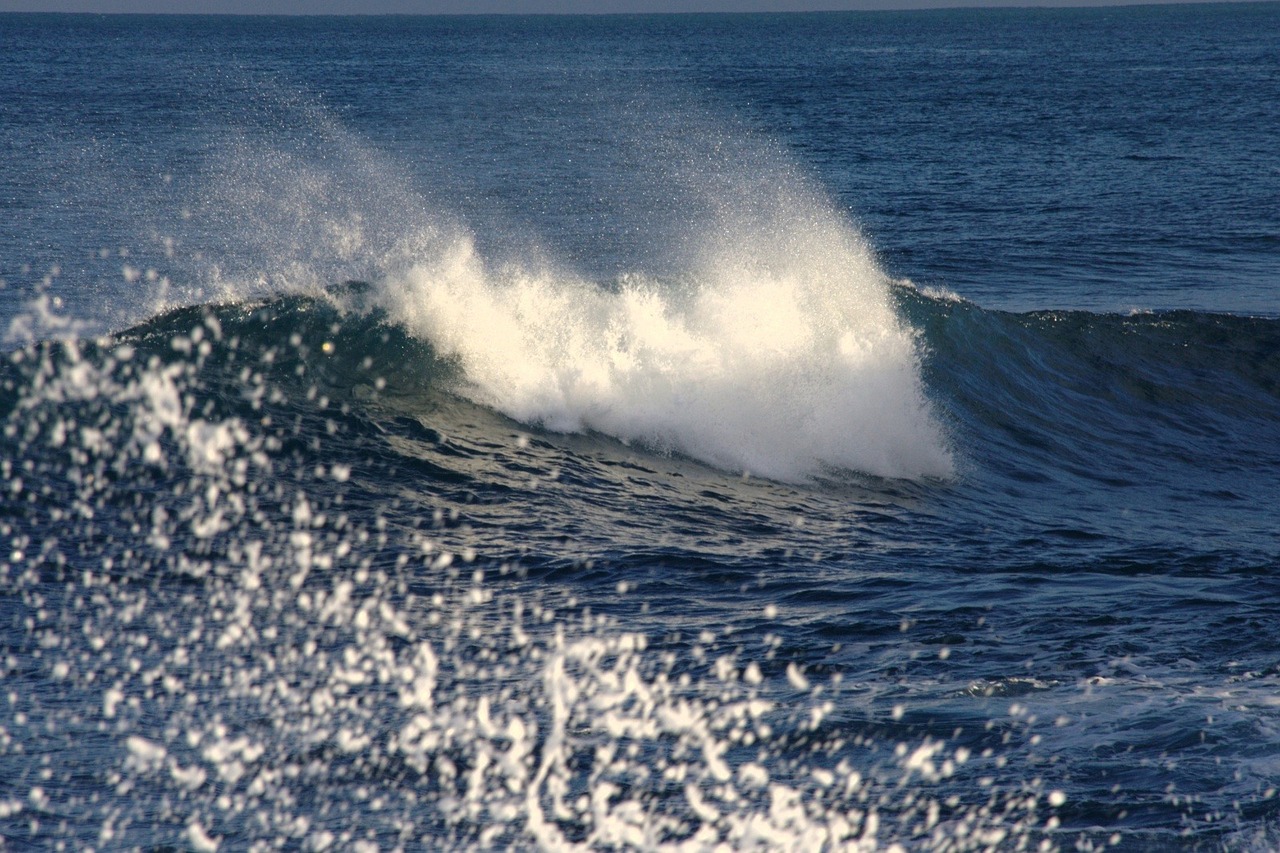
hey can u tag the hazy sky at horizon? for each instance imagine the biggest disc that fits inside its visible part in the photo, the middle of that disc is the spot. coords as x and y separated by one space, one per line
435 7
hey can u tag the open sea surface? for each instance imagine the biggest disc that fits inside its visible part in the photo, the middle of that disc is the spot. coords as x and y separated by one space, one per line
851 431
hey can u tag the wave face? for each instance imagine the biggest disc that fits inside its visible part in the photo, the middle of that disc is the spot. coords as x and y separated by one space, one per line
1195 388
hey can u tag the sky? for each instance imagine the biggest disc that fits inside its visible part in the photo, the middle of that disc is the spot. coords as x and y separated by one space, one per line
436 7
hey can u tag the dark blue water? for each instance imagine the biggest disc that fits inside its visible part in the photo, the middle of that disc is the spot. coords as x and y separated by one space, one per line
829 431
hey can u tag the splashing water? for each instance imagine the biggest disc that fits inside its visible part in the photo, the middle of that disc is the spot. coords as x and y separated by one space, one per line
263 652
779 353
268 648
402 508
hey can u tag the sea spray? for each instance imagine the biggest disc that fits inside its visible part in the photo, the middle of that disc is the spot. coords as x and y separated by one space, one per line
780 354
750 327
264 664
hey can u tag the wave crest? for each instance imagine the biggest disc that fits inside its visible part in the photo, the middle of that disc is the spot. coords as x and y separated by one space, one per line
779 354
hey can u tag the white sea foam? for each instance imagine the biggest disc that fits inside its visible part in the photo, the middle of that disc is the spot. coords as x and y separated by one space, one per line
779 353
941 294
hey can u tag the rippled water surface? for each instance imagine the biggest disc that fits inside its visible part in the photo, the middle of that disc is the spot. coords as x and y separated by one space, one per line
832 431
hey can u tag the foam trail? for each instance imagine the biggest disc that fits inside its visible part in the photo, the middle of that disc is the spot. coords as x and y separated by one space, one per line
779 352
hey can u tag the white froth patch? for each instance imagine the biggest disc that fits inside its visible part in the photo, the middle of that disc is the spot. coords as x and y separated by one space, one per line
781 354
941 294
200 840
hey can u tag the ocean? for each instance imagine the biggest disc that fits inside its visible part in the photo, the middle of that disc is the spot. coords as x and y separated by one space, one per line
833 431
